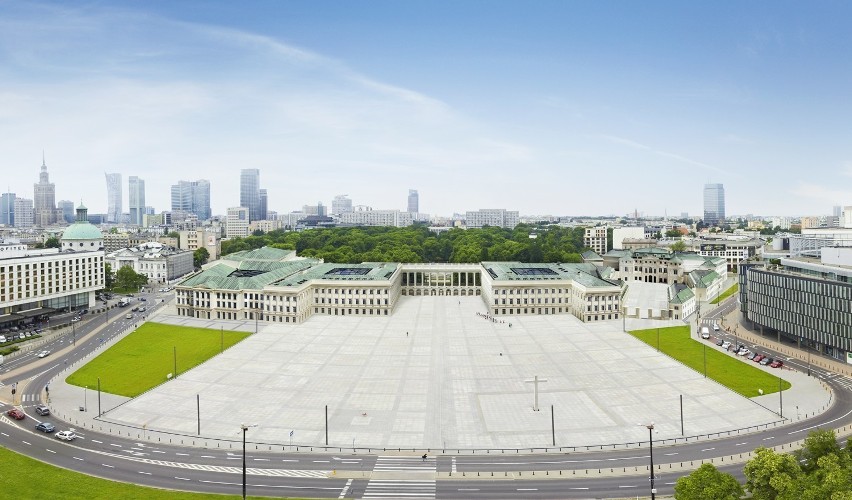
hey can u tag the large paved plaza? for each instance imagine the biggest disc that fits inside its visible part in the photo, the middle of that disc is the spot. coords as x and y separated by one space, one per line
438 374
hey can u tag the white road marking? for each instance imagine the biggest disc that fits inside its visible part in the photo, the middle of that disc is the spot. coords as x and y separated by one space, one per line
627 486
740 444
182 478
578 488
96 441
822 424
26 443
708 449
110 466
77 458
182 454
51 451
146 473
345 489
207 456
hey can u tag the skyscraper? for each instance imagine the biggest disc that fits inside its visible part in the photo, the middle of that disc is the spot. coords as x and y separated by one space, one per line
341 204
23 212
67 207
413 201
44 199
192 197
136 197
250 192
714 204
263 206
7 209
113 182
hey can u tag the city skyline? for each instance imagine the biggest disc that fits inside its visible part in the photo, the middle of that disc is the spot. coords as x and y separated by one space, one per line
474 104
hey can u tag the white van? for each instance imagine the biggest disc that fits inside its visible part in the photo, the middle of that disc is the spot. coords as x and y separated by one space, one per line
705 332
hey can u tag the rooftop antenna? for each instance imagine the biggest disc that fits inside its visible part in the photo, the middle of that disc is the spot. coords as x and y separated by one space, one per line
42 159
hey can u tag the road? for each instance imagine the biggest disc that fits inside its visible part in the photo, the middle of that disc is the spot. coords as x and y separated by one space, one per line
595 473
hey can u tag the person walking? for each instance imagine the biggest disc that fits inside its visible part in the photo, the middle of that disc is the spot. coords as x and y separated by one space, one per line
424 457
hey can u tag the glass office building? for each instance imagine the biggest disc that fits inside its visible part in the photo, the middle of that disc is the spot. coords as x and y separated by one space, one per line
714 204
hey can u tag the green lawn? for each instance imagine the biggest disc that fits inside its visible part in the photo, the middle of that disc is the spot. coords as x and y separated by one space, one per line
738 374
727 293
142 359
23 477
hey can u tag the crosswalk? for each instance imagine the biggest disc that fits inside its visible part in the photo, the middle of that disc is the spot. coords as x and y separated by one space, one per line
403 488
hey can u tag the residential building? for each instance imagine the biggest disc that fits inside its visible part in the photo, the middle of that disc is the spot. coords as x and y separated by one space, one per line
265 225
498 217
114 203
596 239
44 199
7 209
250 192
158 262
369 217
274 285
116 241
136 196
24 216
413 201
340 205
206 237
237 222
734 251
714 204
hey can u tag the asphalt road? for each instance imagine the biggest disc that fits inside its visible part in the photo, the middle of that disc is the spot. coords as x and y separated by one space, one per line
345 474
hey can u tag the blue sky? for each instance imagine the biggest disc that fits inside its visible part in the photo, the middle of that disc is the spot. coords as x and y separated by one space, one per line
543 107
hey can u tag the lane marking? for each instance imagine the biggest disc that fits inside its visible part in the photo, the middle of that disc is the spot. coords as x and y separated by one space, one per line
96 441
51 451
823 424
146 473
708 449
26 443
182 454
183 478
271 485
627 486
78 458
110 466
345 489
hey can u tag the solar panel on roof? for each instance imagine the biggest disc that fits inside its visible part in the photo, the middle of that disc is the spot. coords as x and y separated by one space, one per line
348 271
533 271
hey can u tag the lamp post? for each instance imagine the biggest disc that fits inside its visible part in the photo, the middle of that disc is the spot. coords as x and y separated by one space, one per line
245 427
650 428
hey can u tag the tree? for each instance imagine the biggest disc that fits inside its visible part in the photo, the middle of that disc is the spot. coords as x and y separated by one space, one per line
769 474
708 483
109 277
678 246
673 233
818 444
200 256
52 242
128 279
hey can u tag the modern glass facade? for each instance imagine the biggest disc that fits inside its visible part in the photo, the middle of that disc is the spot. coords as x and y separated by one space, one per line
113 182
192 197
136 195
714 204
250 191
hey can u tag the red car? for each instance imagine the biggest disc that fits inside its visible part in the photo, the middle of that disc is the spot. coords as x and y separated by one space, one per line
776 364
16 414
758 358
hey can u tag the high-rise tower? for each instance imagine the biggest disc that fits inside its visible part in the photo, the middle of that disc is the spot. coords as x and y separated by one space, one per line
192 197
136 197
7 209
113 182
413 201
250 192
714 204
44 198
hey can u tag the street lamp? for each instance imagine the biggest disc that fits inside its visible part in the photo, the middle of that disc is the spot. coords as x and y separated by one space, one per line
245 427
650 428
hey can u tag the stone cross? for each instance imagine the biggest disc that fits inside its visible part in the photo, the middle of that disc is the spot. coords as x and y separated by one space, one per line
535 381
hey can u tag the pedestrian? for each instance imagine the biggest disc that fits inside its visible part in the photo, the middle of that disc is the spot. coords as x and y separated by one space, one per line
424 457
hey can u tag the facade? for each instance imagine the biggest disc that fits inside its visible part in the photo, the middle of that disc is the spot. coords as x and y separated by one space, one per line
192 197
498 217
413 201
370 217
206 237
114 202
714 204
116 241
250 192
7 209
136 197
44 199
596 239
620 234
659 265
341 204
24 215
263 200
804 300
158 262
274 285
237 222
265 225
735 252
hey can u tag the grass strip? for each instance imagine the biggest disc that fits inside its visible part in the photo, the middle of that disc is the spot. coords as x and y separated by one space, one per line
142 359
734 372
727 293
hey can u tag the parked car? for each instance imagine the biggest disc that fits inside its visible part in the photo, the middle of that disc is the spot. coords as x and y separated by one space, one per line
66 435
726 345
752 356
42 410
758 358
75 319
743 352
2 339
766 361
142 309
45 427
44 354
16 414
719 342
143 299
776 364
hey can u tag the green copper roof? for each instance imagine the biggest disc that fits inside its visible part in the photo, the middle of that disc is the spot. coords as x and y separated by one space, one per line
82 231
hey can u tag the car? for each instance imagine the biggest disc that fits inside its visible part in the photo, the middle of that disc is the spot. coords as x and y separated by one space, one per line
129 295
45 427
16 414
2 339
44 354
705 335
28 334
142 309
75 319
776 364
66 435
135 308
766 361
719 342
752 356
715 327
743 352
758 358
726 345
42 410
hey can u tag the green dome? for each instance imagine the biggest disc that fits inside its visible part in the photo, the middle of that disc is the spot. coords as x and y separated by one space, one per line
82 231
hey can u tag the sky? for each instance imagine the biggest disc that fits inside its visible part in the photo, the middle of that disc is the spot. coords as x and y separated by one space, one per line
547 107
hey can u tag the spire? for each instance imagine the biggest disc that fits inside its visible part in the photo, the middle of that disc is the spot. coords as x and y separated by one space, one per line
43 164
